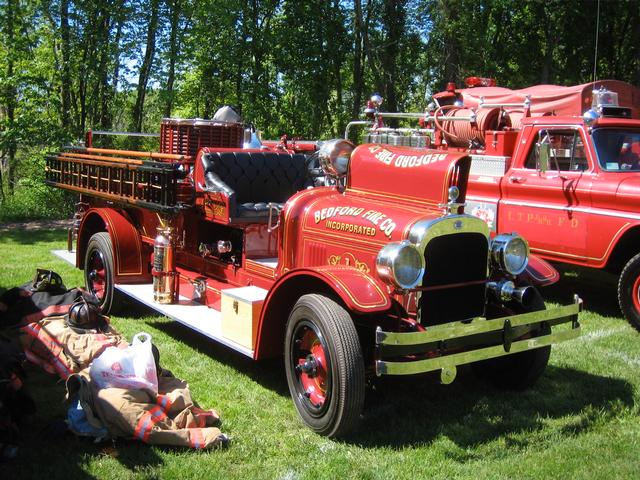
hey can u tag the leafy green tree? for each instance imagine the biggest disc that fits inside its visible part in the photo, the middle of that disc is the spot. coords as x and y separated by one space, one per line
302 68
18 82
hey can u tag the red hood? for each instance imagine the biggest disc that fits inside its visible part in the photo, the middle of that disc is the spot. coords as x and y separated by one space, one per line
408 174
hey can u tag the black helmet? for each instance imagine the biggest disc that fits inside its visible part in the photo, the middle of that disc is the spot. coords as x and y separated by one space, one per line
47 281
84 315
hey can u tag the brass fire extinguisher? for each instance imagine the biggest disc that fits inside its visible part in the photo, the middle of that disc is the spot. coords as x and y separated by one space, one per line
164 275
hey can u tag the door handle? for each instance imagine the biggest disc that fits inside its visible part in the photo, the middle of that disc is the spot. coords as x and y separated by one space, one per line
515 179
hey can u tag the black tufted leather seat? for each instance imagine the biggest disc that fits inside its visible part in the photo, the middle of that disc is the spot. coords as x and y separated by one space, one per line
251 180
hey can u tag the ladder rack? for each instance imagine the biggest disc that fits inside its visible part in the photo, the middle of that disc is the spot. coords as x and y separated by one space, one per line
147 184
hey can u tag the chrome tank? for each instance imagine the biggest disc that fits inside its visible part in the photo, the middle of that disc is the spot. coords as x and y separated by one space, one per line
165 284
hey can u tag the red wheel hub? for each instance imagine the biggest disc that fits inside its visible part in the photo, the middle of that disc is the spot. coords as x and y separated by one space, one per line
311 365
96 275
635 294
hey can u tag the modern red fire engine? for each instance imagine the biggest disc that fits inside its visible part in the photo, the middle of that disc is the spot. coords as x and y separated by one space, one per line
559 165
364 267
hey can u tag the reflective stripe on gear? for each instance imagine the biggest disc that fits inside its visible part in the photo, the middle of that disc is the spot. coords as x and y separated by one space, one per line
164 402
147 421
196 438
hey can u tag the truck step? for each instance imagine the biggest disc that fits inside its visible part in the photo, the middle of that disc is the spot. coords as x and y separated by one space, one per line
200 318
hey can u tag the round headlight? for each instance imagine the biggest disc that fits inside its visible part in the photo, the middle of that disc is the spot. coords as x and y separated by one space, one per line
334 157
510 253
400 264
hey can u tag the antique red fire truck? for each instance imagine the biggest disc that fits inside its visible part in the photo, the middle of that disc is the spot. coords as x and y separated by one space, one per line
558 165
365 267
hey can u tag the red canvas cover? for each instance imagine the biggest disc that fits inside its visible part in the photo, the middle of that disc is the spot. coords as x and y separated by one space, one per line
554 99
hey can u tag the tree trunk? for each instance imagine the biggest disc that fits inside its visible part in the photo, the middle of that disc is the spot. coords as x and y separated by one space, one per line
2 199
394 20
65 48
451 44
256 55
339 103
83 84
373 64
357 60
145 68
238 84
116 47
337 64
104 93
550 45
174 50
258 28
111 88
10 93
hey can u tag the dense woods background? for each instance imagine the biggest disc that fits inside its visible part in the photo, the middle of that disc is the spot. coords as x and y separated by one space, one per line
299 67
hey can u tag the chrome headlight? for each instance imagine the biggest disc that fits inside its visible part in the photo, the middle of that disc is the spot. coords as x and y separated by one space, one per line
510 253
401 264
334 157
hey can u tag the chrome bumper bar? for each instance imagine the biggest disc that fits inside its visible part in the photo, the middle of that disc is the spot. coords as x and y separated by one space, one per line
447 363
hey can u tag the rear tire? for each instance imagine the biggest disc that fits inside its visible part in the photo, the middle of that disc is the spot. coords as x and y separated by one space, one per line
324 365
629 292
520 370
98 270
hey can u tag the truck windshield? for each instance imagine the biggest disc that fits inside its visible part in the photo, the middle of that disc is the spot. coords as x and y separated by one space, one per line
617 149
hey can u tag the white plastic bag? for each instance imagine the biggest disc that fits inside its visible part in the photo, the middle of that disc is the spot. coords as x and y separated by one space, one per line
132 367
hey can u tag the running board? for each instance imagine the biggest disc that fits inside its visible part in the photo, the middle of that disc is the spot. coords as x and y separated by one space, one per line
206 321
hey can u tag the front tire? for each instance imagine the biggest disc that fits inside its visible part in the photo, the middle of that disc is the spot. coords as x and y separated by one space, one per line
98 270
324 365
629 292
518 371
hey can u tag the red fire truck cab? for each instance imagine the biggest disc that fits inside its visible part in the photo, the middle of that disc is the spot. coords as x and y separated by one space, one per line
372 269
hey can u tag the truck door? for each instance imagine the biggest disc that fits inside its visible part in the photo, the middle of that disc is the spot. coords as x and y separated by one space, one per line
547 205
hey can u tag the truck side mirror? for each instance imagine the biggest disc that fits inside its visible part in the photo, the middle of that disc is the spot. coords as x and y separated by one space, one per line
544 153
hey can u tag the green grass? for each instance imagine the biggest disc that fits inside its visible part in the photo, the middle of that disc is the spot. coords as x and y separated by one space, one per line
580 421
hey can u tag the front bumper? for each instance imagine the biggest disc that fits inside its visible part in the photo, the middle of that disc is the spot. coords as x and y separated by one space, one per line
439 340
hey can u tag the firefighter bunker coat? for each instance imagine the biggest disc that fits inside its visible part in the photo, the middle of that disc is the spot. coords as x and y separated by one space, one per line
171 417
55 347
